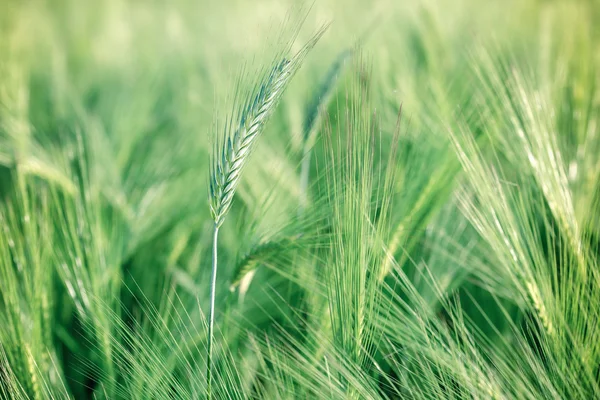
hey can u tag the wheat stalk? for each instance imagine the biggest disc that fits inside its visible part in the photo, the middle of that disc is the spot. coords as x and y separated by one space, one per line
227 167
231 153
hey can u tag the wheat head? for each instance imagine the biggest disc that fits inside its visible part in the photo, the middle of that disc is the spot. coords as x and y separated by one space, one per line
227 166
232 151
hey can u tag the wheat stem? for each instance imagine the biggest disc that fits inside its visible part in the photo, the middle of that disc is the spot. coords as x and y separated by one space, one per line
211 313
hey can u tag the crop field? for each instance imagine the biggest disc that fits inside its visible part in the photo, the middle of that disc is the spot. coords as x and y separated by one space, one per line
277 199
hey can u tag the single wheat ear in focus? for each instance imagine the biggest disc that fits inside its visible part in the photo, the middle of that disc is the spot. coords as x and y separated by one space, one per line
234 146
232 149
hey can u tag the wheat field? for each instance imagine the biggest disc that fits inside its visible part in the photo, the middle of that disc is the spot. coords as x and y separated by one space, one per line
338 199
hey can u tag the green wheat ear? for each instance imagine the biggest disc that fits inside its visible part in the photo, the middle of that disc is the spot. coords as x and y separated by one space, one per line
230 158
231 152
233 147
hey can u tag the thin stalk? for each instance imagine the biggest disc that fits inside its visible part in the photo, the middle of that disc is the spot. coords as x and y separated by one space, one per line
304 175
211 313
